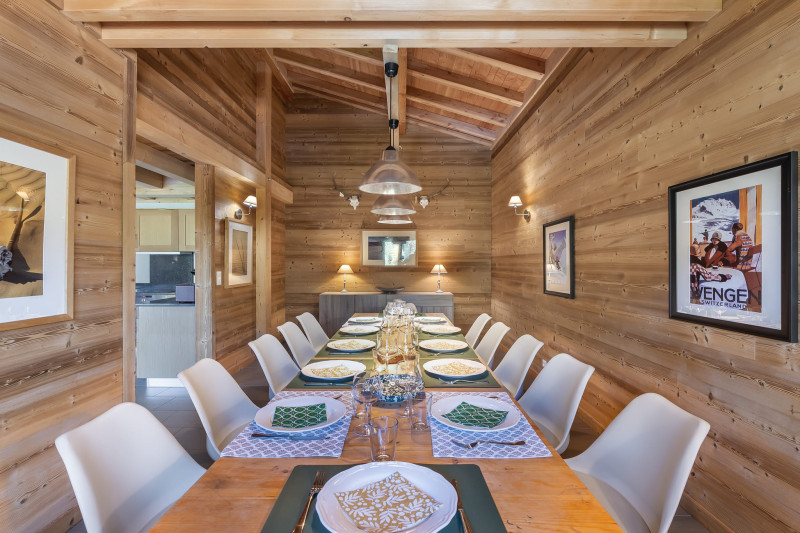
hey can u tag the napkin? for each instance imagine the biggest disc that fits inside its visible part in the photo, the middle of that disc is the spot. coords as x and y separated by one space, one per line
470 415
391 504
299 417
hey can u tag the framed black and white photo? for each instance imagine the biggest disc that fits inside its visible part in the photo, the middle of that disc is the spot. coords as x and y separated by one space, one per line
238 254
388 248
733 249
37 195
559 257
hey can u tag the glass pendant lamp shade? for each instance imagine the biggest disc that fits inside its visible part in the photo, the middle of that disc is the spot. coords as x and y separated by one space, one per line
393 204
390 176
394 219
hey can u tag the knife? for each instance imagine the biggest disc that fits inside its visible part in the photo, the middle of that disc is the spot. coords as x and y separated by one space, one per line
460 507
290 437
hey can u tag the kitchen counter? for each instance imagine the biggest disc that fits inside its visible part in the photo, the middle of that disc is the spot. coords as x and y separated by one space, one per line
163 301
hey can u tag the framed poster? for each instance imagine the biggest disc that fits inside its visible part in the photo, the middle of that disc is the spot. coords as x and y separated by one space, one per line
388 248
238 254
37 195
559 257
733 249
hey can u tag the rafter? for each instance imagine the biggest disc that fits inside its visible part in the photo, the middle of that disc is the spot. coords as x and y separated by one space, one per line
402 87
445 103
449 132
370 56
451 124
162 163
340 93
404 34
481 88
355 10
278 71
328 70
528 66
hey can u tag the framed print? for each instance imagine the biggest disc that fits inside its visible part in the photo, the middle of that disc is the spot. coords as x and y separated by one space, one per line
733 249
388 248
559 257
37 195
238 254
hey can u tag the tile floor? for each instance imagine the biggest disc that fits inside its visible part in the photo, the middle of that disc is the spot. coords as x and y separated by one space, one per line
173 407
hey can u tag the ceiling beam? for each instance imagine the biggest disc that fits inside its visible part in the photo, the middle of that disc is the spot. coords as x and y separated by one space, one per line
508 60
370 56
278 71
163 163
445 103
312 85
327 70
448 132
402 88
404 34
358 10
149 178
477 87
452 124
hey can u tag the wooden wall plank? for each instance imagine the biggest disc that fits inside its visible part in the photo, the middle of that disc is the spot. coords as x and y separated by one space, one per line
605 145
206 241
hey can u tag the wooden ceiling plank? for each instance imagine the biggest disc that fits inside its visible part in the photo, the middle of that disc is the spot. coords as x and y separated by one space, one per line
328 70
406 35
333 89
454 106
451 133
481 88
279 73
335 97
528 66
357 10
162 163
368 55
451 124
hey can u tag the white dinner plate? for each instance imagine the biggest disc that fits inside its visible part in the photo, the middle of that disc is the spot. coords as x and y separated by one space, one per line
441 329
365 319
334 409
432 483
353 367
435 367
445 405
359 330
443 345
429 319
351 345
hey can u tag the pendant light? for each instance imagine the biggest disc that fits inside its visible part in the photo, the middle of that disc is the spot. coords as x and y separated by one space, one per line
394 219
393 204
390 175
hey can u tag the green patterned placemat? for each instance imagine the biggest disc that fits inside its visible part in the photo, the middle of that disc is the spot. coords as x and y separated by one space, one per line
470 415
302 416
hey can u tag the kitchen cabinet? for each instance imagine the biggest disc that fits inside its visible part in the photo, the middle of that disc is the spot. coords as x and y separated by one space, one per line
165 339
165 230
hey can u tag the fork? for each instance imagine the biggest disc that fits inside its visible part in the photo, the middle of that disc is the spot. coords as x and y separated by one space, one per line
462 381
471 445
316 486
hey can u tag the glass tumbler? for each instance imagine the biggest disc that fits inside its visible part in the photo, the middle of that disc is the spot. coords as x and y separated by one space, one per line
383 437
419 405
365 393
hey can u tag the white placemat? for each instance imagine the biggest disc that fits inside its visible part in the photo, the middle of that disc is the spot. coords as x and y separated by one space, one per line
244 446
442 436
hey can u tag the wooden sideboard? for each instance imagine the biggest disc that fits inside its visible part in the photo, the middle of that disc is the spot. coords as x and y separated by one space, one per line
336 307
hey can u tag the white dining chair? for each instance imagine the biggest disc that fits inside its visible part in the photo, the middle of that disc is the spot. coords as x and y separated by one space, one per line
553 398
489 343
275 361
637 468
223 407
511 371
126 469
313 330
302 351
475 330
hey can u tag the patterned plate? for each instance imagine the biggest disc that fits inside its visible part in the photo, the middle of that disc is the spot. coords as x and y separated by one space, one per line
441 329
454 368
443 345
359 330
351 345
338 369
446 405
335 410
433 484
364 319
429 319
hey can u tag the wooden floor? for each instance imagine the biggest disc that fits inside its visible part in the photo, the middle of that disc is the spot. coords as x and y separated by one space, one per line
175 410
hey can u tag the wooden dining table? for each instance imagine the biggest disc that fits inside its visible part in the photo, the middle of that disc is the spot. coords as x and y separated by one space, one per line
539 494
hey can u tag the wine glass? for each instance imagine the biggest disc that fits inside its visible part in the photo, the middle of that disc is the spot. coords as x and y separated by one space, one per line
365 392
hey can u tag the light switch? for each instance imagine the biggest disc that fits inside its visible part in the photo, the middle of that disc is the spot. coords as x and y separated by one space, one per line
219 277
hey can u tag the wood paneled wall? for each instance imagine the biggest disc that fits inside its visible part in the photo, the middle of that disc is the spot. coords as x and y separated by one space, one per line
215 90
605 146
62 87
326 141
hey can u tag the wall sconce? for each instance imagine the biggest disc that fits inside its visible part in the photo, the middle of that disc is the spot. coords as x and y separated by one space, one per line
251 203
439 269
515 202
344 270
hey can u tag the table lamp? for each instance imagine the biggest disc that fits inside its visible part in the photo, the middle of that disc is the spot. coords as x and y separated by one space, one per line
439 269
344 270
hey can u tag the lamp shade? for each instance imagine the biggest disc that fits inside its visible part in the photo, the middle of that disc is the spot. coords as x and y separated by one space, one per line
390 176
393 204
345 269
250 201
514 202
439 269
394 219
